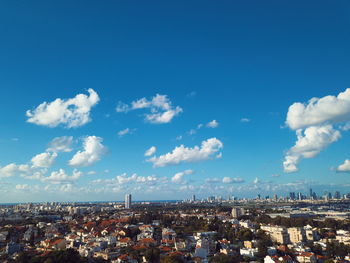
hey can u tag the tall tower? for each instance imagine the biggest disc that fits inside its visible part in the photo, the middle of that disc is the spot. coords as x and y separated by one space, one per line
193 198
127 201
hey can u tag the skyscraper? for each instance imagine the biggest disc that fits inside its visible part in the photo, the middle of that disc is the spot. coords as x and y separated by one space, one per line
127 201
193 198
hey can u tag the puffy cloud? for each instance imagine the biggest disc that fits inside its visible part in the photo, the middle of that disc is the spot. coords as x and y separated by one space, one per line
152 150
310 142
230 180
93 150
71 113
329 109
61 144
276 175
12 169
212 124
45 159
60 176
345 167
316 124
178 177
184 154
161 109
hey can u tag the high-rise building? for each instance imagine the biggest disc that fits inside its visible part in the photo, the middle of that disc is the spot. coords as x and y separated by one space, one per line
311 194
237 212
292 195
193 198
337 195
128 201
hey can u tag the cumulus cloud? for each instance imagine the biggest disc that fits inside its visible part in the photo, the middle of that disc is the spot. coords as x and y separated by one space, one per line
93 149
317 125
44 160
161 109
178 177
234 180
152 150
13 169
329 109
180 154
60 176
70 113
345 167
212 124
61 144
310 143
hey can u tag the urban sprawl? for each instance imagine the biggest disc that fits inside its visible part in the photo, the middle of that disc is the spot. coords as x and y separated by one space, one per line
304 228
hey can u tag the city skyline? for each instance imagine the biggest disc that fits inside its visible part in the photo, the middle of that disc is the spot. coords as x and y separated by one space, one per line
225 99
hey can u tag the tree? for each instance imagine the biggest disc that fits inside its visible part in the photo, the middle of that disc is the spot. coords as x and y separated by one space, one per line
172 259
222 258
245 234
152 254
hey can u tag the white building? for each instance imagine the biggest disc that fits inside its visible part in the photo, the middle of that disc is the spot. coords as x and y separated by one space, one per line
128 201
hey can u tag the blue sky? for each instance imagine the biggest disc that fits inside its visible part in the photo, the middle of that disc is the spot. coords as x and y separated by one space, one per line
240 63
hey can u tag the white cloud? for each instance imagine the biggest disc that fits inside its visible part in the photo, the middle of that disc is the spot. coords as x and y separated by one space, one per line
93 151
212 124
184 154
345 167
310 143
317 125
125 179
276 175
12 169
151 151
256 180
329 109
45 159
71 113
161 109
178 177
230 180
245 120
125 132
61 144
60 176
